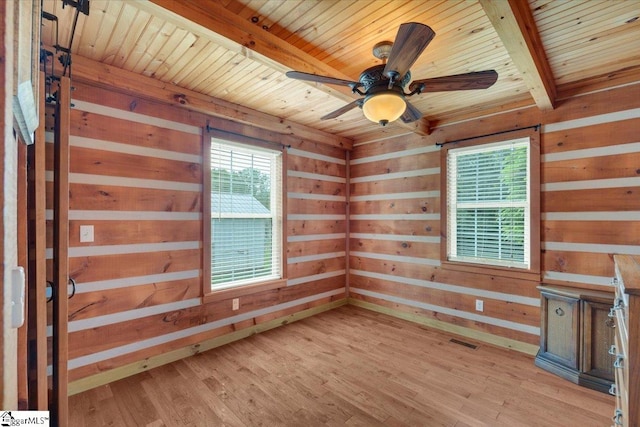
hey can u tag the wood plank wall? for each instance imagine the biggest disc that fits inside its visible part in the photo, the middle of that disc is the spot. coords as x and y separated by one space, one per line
590 204
136 176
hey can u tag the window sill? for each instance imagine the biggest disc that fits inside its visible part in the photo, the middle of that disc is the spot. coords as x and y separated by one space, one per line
492 270
239 291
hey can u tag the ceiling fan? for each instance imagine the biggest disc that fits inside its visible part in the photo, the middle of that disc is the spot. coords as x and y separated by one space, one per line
384 98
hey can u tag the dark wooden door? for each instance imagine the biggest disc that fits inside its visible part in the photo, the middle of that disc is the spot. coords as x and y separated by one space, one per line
598 336
560 340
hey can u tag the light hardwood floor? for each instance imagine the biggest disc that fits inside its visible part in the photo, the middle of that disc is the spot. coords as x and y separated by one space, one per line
345 367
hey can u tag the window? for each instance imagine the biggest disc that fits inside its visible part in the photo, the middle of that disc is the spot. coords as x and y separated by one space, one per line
246 215
492 212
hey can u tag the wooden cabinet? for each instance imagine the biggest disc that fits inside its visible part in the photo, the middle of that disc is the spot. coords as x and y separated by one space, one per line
626 312
576 335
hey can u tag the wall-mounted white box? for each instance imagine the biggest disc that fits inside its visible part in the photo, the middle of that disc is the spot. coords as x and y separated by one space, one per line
86 233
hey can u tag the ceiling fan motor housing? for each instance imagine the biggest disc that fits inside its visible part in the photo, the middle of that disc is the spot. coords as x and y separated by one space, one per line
373 77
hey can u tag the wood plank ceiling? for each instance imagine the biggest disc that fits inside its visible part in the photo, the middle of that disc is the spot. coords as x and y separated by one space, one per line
239 50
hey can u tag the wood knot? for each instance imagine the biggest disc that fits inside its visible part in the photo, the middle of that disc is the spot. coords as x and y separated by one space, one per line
172 317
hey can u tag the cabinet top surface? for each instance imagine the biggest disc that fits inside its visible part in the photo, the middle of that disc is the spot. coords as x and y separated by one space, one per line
629 267
578 293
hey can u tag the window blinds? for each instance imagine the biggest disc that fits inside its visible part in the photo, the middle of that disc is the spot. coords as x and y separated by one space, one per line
246 217
488 197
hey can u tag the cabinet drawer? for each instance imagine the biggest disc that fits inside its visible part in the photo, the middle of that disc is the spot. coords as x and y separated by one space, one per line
621 327
620 308
618 407
622 378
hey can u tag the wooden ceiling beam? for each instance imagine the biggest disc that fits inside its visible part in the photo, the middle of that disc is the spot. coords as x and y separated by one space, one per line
237 34
104 75
516 27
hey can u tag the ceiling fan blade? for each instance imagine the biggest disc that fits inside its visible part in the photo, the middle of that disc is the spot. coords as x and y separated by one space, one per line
299 75
467 81
342 110
411 40
411 113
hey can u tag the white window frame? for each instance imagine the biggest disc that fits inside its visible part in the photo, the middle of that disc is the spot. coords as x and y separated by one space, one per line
278 206
530 269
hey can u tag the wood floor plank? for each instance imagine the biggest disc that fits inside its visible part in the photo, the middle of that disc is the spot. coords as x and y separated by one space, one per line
346 367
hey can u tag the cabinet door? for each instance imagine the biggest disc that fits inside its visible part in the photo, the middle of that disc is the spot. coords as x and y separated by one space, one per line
598 336
560 329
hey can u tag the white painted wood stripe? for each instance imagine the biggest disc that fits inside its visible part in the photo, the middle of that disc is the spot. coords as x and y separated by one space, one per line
609 150
395 196
316 176
315 277
128 215
451 312
76 252
134 117
396 237
592 247
395 154
128 282
184 333
129 315
316 156
593 120
500 296
592 216
397 258
313 237
315 257
394 217
396 175
316 217
591 184
136 150
120 181
577 278
312 196
130 249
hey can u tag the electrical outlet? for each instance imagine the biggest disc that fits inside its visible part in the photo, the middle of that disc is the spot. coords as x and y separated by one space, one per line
86 233
235 304
479 305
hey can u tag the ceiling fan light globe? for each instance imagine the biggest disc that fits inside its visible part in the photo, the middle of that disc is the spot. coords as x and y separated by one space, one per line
384 107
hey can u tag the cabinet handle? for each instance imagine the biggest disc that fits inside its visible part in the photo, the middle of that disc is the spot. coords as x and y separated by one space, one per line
617 305
618 361
612 349
617 417
613 390
559 311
